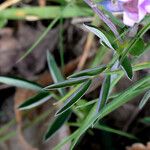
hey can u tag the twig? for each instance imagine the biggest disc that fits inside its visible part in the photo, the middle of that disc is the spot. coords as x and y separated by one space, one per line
102 16
42 3
86 51
8 3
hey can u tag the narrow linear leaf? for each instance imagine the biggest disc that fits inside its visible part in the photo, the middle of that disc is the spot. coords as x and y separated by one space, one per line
107 129
102 16
92 102
65 97
67 83
7 126
74 97
87 104
114 19
104 92
47 12
138 48
134 41
55 72
90 120
89 72
55 126
19 82
124 97
101 35
3 22
113 105
36 100
61 119
115 131
145 120
126 65
61 42
144 100
39 39
137 67
85 123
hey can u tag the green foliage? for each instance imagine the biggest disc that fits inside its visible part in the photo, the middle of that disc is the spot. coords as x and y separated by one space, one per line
126 65
75 97
89 72
36 100
54 71
145 99
67 83
39 39
108 129
57 124
145 120
21 83
88 113
138 49
3 22
57 76
104 92
103 39
116 103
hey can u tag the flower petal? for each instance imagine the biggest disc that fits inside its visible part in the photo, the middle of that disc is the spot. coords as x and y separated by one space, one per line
113 7
127 20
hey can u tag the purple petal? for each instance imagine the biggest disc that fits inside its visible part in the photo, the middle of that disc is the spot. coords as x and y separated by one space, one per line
113 7
131 6
127 20
145 5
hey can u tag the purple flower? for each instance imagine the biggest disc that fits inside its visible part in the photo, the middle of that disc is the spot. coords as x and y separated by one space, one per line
133 10
113 7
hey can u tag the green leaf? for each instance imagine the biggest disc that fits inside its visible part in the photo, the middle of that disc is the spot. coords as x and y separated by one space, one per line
67 83
133 42
59 120
36 100
4 128
145 120
21 83
114 19
107 129
126 65
113 105
111 130
47 12
124 97
100 34
138 48
55 126
144 100
3 22
89 72
87 104
137 67
74 97
39 39
61 42
55 72
104 92
85 123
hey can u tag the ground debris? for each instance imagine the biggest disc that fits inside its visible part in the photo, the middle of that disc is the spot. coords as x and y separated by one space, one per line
139 146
